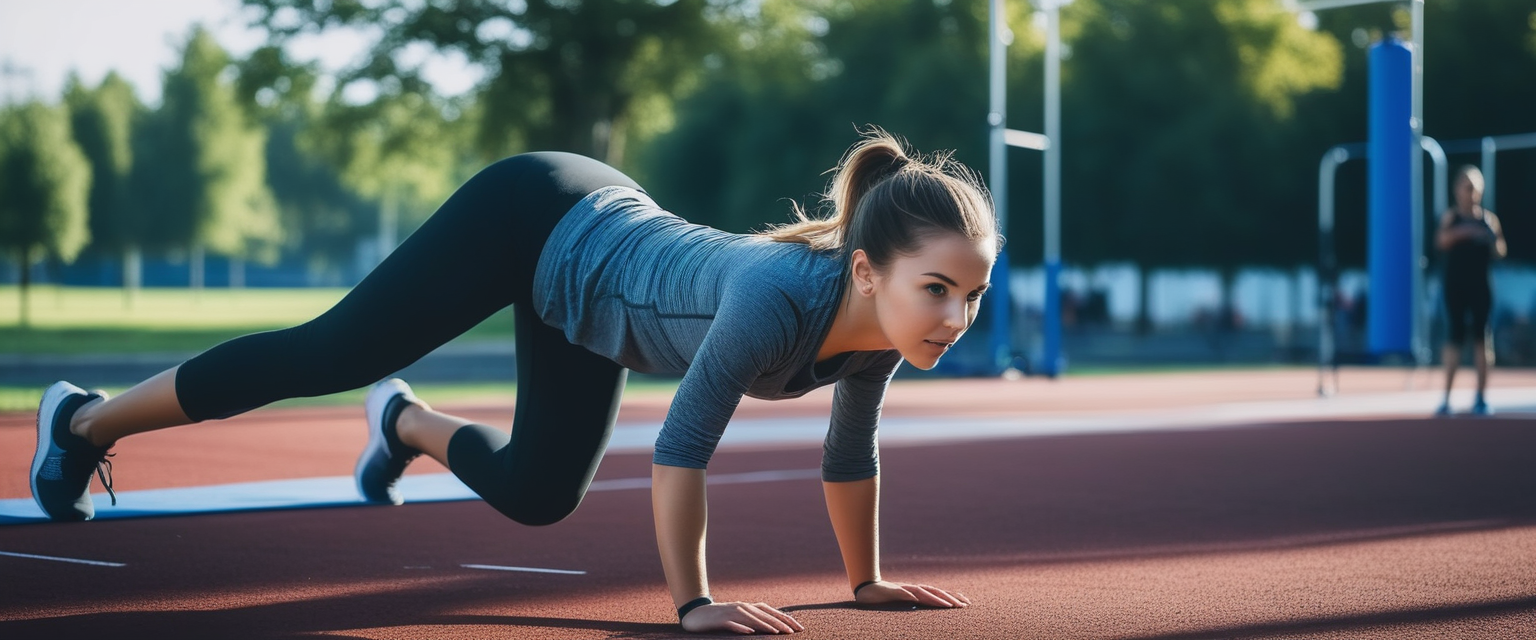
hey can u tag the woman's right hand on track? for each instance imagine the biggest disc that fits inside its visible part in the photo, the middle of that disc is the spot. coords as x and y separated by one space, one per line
740 617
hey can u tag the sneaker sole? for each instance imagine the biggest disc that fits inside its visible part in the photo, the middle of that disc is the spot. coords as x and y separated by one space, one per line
374 407
52 398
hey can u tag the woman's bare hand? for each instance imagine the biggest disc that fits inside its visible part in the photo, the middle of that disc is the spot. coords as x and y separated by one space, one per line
740 617
885 592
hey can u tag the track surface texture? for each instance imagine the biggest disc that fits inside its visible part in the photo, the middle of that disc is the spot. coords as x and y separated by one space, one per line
1386 524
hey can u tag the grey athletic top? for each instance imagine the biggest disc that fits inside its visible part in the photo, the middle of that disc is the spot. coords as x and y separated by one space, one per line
735 314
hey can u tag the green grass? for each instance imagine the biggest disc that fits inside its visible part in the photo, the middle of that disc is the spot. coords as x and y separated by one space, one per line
77 320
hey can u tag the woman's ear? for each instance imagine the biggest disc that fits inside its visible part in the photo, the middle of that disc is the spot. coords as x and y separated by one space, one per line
863 273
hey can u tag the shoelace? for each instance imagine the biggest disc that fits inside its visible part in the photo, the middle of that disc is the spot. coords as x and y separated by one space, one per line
104 471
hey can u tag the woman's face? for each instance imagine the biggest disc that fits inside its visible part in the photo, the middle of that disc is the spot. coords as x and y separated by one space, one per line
925 301
1467 194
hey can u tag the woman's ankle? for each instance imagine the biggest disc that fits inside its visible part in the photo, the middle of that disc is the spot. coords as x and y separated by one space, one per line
80 423
406 423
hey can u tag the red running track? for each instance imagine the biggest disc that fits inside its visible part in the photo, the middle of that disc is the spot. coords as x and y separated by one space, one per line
1382 527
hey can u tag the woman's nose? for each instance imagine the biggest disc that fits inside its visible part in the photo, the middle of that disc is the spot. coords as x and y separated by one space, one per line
955 315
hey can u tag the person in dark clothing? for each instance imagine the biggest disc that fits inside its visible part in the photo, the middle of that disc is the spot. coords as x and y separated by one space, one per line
1471 239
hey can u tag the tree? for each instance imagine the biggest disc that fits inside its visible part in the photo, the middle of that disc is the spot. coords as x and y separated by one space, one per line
44 186
320 214
202 169
586 77
103 120
783 102
1183 148
397 151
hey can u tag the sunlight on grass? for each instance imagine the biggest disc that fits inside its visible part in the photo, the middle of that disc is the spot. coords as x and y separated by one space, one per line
55 307
75 320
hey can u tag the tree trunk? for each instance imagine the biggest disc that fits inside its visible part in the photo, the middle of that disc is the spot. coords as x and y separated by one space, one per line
236 273
1144 310
1226 318
389 216
616 130
24 256
195 265
133 274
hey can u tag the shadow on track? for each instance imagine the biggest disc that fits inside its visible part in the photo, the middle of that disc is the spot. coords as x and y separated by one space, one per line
1359 622
310 618
1150 494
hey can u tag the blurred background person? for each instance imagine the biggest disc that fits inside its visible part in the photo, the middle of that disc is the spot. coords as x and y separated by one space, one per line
1471 238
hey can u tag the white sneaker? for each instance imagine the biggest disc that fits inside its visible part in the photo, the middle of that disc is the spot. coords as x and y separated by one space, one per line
384 460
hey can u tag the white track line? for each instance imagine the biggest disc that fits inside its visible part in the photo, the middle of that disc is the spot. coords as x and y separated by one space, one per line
97 563
492 567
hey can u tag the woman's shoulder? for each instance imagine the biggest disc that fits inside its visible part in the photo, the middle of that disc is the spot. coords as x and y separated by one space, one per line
795 271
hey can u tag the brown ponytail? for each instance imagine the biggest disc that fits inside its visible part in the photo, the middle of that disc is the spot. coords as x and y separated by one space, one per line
884 198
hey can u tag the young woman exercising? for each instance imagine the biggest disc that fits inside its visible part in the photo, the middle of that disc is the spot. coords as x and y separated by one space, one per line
602 280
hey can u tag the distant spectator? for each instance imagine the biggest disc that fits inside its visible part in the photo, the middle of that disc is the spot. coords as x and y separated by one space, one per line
1471 238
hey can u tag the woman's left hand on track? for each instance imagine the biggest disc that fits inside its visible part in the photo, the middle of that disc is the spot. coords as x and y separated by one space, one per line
885 592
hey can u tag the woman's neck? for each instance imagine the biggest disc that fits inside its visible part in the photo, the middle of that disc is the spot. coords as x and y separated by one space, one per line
855 328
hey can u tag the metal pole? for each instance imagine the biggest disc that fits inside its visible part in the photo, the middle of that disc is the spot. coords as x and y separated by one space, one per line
1416 182
1490 147
1051 359
1327 277
1421 312
1002 303
1441 172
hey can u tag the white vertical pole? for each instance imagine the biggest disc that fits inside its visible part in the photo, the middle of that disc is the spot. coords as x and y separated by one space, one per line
1490 148
1002 302
1416 182
1051 358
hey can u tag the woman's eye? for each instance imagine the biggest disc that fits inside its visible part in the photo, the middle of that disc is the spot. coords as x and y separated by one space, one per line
937 289
975 295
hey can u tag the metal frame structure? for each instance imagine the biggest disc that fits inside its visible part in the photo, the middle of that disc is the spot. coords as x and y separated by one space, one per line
1415 179
1051 361
1328 266
1487 146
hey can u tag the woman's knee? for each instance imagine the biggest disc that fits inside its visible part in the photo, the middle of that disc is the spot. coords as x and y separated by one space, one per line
534 510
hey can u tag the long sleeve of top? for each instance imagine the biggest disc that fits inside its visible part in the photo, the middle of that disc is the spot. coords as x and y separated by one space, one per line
735 314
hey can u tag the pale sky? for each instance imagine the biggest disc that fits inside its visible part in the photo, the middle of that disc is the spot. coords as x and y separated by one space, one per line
42 40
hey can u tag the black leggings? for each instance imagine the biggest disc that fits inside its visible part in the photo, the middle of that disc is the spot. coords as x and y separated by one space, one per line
472 258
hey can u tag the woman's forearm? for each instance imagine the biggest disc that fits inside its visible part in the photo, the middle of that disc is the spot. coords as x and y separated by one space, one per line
854 508
679 506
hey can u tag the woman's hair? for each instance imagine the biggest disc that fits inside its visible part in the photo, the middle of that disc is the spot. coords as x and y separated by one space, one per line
886 200
1470 173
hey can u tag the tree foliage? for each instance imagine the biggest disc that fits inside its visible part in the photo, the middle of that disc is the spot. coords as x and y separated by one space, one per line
44 182
1192 130
1180 129
780 109
103 120
574 76
44 186
202 167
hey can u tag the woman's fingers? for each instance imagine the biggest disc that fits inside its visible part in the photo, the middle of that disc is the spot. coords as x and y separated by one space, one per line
762 619
934 596
926 597
793 624
921 594
741 617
